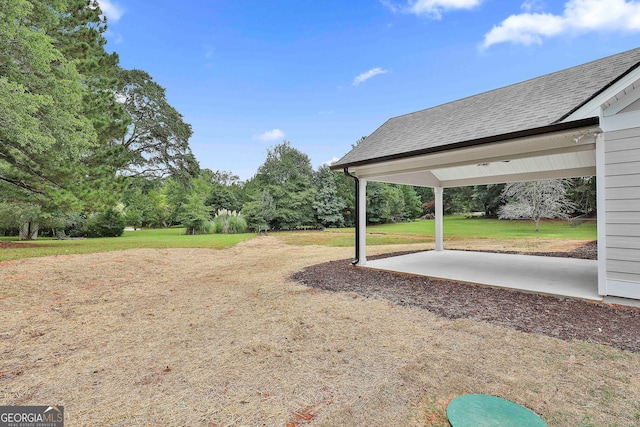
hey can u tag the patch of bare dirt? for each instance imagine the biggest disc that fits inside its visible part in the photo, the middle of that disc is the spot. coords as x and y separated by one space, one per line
562 318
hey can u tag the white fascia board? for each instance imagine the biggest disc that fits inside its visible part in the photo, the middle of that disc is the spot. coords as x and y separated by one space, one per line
609 97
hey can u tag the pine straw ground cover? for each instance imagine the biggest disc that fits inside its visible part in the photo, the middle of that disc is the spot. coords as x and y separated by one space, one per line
202 337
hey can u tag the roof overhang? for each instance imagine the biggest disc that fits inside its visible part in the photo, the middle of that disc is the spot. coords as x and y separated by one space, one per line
560 150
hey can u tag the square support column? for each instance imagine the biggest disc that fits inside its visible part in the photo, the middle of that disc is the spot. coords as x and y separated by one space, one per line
362 222
439 213
601 203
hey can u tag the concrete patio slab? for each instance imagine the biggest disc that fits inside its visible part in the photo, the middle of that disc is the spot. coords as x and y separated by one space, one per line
569 277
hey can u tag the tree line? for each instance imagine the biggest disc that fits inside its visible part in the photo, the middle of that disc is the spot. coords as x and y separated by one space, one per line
286 193
87 146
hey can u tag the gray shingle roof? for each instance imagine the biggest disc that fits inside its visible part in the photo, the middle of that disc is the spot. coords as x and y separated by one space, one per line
534 103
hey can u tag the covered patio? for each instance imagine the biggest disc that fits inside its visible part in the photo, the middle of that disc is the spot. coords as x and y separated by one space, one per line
577 122
557 151
565 277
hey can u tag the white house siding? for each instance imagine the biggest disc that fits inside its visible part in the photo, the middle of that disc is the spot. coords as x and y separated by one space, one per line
622 212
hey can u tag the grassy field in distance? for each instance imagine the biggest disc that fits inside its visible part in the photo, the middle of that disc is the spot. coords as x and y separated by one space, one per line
398 233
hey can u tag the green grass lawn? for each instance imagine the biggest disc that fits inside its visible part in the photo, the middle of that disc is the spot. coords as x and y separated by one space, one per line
454 227
409 232
152 238
460 226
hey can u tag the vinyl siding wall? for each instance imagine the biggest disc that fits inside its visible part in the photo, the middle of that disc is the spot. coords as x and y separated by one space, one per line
622 198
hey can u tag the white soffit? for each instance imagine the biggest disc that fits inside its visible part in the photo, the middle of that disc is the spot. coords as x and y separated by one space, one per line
518 166
565 165
556 166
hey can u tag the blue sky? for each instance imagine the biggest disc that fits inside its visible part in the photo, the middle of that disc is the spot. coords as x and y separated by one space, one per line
321 74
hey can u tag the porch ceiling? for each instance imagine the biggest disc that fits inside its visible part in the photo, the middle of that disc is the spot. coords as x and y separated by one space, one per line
560 155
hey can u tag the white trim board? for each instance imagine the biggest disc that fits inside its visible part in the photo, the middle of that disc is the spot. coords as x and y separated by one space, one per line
622 288
609 97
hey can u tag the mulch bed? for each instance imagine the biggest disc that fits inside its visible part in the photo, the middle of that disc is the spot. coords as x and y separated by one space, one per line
563 318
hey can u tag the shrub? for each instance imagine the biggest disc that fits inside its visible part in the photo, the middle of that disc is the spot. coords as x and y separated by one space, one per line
109 223
229 222
75 225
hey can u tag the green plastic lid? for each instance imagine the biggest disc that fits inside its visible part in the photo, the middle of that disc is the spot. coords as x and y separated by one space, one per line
482 410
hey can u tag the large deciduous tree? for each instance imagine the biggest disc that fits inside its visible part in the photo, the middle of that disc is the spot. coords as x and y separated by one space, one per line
384 203
536 200
287 176
388 203
156 141
225 190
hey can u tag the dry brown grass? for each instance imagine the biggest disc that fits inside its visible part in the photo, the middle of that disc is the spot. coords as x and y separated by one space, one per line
203 337
523 245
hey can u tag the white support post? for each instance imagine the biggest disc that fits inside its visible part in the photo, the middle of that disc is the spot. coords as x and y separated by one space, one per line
439 211
601 203
362 222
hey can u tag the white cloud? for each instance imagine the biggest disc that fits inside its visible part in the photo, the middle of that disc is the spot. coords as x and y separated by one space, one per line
366 76
111 10
434 8
526 28
579 16
270 135
332 161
